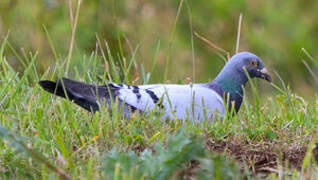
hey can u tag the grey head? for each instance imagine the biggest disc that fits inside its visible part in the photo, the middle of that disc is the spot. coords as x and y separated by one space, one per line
234 76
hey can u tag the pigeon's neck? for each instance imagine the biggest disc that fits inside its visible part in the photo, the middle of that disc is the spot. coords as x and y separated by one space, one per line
230 86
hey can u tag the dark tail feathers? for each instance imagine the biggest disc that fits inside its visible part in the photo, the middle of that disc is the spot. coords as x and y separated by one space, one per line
52 87
85 95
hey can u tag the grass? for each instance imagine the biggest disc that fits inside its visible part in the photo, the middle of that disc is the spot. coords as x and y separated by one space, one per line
47 137
43 136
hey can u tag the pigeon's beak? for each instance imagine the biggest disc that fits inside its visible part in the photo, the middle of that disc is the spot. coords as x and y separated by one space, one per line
265 75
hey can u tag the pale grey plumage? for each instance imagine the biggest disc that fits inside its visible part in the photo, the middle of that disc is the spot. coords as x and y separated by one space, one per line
194 101
176 101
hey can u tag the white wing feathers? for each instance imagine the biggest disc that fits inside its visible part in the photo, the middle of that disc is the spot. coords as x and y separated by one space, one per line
177 101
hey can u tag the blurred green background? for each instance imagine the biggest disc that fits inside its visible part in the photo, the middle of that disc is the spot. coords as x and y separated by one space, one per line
274 30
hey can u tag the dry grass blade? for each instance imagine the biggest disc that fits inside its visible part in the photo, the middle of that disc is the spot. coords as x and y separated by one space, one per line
104 57
171 38
238 34
211 44
70 6
192 43
136 75
309 56
73 24
311 71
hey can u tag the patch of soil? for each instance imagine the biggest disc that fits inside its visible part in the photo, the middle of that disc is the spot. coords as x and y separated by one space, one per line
263 157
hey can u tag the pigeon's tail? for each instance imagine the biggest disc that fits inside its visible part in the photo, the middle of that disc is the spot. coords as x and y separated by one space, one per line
85 95
52 87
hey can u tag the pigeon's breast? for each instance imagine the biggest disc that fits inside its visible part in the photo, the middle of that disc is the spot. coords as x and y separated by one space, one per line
195 103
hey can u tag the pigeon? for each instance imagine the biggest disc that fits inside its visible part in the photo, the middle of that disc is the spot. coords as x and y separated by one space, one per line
198 102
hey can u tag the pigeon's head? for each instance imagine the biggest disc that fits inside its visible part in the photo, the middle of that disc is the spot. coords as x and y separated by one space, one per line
246 62
235 75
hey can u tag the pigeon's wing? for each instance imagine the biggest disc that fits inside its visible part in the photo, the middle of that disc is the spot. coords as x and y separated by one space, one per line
177 101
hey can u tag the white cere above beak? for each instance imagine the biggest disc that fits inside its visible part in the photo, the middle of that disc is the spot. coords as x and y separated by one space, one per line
264 70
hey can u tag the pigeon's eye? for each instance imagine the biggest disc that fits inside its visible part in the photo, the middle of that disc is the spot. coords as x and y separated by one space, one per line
253 63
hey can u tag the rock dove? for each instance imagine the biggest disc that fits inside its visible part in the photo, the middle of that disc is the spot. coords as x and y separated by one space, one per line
194 101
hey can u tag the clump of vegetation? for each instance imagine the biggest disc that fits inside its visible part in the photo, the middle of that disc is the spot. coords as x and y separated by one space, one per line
42 136
183 156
